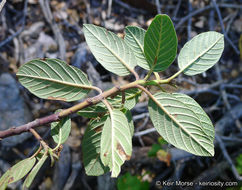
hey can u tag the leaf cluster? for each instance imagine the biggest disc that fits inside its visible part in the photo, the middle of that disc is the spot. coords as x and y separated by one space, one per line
107 142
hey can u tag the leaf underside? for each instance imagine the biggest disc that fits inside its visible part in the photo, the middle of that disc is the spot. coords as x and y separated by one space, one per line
60 130
182 122
201 53
109 50
160 43
17 172
128 115
28 181
134 37
116 143
91 148
54 79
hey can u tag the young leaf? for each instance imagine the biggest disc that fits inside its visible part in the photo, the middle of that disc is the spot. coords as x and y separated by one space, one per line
134 37
182 122
92 112
109 50
60 130
54 79
28 181
116 143
17 172
91 148
160 44
201 53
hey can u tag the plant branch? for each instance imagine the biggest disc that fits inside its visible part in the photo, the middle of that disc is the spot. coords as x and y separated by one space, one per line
86 103
57 116
38 137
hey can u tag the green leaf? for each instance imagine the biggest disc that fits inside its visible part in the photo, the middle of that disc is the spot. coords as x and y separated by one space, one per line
128 115
154 149
129 182
109 50
60 130
131 98
28 181
116 142
182 122
239 164
91 148
201 53
54 79
160 44
16 172
134 37
92 112
162 141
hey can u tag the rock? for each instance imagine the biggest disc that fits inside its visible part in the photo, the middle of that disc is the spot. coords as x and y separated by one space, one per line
45 46
62 169
105 182
82 55
13 110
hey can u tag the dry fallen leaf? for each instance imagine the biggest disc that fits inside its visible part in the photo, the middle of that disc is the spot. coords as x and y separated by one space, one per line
164 157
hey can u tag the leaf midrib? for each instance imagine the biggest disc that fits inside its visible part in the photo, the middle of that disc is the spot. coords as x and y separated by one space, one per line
209 48
119 58
56 81
158 49
177 122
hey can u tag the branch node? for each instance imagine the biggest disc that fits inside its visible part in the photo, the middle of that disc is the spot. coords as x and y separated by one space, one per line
118 87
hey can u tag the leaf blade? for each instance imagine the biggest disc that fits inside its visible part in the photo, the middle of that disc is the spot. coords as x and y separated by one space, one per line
116 132
17 172
134 37
179 125
28 181
54 79
109 50
160 44
91 148
201 53
60 130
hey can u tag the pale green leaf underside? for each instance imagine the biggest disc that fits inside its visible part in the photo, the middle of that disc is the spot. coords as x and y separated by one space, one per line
182 123
17 172
91 148
28 181
116 143
134 37
109 50
201 53
160 43
129 117
60 130
54 79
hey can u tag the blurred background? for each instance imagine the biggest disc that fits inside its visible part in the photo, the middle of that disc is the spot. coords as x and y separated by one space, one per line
53 28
